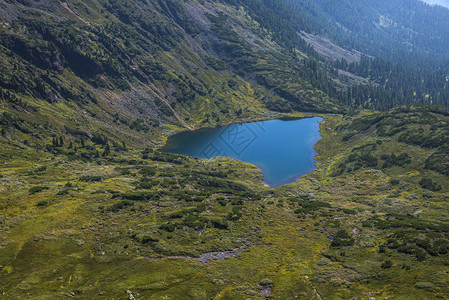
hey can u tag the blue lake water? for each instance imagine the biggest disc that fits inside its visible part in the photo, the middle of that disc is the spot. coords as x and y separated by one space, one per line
282 149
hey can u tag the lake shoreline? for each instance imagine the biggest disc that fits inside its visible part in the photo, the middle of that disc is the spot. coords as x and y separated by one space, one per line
254 119
283 149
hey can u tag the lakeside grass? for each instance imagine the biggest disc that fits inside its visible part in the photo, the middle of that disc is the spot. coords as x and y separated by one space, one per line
100 228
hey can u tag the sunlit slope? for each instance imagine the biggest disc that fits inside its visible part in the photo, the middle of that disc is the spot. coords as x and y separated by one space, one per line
370 220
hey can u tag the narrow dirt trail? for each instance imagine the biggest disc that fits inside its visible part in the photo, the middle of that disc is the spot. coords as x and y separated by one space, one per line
156 92
66 6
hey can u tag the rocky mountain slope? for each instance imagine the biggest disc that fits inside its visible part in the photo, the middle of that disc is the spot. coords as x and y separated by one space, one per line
125 69
89 208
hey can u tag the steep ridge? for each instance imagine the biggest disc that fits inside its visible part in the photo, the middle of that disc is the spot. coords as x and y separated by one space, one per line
126 67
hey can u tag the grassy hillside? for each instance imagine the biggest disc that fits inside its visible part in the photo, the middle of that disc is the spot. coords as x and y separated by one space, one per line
89 208
370 221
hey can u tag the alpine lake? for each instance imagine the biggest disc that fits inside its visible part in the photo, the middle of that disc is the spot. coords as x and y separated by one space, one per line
283 149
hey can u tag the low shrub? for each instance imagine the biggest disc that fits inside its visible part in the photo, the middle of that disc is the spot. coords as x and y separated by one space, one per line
37 189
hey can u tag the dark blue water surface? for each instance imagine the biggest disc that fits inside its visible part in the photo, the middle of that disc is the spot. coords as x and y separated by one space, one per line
282 149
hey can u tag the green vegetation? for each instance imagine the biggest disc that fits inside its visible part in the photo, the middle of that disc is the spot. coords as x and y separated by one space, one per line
37 189
84 225
89 208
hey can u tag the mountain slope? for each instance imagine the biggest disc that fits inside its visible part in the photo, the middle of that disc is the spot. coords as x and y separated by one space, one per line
89 208
127 65
403 44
